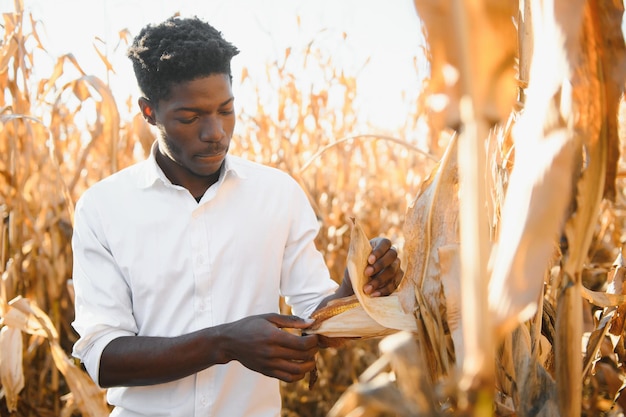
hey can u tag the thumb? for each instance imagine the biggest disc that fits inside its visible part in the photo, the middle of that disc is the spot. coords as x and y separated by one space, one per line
289 321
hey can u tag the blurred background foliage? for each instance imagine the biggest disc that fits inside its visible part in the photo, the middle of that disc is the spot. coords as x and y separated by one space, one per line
64 130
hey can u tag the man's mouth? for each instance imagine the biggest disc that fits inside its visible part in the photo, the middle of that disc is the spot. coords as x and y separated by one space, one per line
211 154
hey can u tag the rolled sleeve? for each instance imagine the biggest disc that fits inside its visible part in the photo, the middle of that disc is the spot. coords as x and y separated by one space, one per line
103 303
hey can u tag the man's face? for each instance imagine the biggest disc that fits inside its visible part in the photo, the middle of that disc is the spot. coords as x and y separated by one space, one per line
196 124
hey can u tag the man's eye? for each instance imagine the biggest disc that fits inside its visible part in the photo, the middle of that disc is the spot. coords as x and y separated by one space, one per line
188 121
227 111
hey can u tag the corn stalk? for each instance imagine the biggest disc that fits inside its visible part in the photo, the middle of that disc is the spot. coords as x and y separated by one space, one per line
539 211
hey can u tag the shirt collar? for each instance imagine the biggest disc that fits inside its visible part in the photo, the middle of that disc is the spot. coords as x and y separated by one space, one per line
153 173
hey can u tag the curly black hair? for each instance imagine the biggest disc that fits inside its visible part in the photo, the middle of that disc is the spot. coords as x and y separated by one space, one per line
178 50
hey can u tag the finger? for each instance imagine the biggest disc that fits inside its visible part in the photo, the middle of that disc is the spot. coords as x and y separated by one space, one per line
295 347
383 261
301 348
290 371
388 276
388 263
380 246
293 355
385 290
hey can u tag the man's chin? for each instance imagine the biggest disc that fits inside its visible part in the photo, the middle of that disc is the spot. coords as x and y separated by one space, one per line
208 169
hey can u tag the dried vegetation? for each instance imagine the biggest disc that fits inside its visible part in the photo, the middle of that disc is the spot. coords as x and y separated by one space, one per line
511 230
62 131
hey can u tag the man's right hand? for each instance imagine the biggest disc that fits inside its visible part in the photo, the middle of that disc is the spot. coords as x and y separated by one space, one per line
259 343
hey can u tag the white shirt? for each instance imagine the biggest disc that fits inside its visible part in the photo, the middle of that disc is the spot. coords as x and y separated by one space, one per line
151 261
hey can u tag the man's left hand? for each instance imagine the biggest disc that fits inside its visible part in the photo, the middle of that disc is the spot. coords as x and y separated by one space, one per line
383 268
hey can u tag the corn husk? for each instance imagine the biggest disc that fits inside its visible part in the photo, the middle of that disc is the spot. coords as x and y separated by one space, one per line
11 370
386 311
362 315
346 317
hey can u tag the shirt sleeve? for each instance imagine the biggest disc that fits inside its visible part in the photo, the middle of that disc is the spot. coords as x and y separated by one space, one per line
103 304
305 280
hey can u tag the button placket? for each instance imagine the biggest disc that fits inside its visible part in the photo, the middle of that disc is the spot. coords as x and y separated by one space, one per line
201 267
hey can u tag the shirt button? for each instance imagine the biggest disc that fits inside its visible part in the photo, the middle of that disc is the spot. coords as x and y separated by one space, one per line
203 401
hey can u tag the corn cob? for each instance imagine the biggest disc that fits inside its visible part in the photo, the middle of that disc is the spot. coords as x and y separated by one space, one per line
334 308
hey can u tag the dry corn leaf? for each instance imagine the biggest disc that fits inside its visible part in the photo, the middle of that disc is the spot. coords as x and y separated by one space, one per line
29 318
589 117
492 46
603 299
612 54
544 131
616 286
88 397
547 153
611 322
18 318
26 316
406 360
11 370
387 311
432 223
532 218
536 388
449 261
374 398
104 58
7 52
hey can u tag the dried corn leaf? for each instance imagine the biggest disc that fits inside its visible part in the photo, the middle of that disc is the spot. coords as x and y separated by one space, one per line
547 156
432 223
616 286
24 321
374 398
492 46
8 49
602 299
387 311
406 360
449 261
536 388
11 370
612 55
611 321
589 105
27 317
532 218
88 397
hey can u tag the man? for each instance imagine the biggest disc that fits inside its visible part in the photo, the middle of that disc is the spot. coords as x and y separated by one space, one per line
179 260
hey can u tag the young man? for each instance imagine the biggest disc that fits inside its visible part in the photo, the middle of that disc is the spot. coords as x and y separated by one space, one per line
179 260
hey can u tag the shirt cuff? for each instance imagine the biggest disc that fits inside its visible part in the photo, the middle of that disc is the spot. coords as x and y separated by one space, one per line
91 353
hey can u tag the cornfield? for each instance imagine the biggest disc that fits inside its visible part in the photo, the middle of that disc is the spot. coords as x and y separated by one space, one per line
508 211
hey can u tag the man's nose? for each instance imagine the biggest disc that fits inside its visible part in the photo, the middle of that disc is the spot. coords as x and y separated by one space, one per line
211 129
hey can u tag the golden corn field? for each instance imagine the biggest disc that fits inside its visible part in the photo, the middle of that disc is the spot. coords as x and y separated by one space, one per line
509 213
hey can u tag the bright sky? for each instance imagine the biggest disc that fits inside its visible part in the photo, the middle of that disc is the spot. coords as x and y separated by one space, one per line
385 31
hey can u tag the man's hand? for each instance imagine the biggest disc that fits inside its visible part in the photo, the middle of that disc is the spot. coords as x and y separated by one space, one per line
383 268
260 344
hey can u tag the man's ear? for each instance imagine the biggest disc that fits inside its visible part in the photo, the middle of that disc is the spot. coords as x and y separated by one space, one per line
147 110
